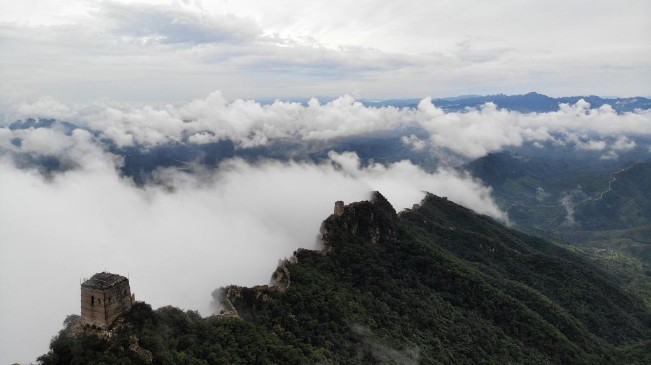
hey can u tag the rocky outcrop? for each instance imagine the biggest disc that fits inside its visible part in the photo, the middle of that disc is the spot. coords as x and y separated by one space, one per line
144 354
225 299
281 279
369 222
222 304
365 222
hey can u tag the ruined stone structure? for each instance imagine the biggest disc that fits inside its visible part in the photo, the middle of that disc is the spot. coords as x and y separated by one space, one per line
104 297
339 208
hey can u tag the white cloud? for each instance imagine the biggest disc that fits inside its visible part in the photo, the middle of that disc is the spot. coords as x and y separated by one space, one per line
591 145
610 155
568 204
623 143
45 108
413 142
246 122
471 133
44 141
477 132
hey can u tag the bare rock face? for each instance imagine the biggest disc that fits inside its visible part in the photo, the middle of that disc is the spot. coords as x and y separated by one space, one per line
144 354
280 279
222 301
226 300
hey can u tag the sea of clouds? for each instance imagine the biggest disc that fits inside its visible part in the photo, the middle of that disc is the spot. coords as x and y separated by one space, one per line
471 133
184 233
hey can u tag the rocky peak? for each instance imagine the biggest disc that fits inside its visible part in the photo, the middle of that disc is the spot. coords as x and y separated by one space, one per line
365 222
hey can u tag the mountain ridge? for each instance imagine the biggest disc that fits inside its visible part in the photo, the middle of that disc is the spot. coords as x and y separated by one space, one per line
525 103
435 284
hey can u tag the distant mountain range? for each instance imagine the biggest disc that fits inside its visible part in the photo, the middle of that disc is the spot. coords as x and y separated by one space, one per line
527 103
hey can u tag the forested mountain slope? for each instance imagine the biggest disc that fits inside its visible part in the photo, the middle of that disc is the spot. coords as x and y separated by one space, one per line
437 284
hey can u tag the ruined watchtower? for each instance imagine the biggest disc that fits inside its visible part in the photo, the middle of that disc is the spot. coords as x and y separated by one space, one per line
339 208
104 297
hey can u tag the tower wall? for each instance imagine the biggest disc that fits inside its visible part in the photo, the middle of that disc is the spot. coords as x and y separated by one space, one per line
104 298
92 305
118 301
339 208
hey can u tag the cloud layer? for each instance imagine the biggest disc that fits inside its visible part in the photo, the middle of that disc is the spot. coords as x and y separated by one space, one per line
153 50
472 133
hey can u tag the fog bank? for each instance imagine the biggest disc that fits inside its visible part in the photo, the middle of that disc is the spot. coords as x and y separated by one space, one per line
178 238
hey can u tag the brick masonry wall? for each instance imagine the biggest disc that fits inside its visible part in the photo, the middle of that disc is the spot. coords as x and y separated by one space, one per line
92 305
118 301
102 307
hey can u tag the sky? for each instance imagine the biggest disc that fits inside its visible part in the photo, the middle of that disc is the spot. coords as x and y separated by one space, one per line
81 50
144 74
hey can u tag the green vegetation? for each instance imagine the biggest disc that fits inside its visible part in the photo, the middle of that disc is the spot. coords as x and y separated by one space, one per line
601 207
434 285
627 204
628 260
173 337
537 191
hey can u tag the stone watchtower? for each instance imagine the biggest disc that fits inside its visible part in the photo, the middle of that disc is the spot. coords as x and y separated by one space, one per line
104 297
